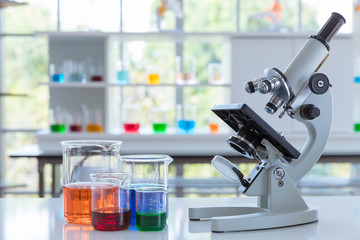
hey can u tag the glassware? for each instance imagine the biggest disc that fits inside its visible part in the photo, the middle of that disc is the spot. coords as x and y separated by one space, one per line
146 171
185 70
96 73
153 75
122 72
77 71
57 73
151 208
186 115
81 158
75 123
159 119
110 207
94 120
215 73
57 120
131 118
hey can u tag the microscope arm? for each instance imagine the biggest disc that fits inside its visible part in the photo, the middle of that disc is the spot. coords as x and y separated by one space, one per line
318 133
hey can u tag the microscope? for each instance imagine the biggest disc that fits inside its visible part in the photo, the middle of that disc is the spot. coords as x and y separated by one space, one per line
305 96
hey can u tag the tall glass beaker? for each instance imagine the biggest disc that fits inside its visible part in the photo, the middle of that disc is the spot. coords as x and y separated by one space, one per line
80 159
146 170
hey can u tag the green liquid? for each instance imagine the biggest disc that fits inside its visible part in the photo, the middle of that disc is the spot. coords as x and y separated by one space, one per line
159 127
150 221
60 128
357 127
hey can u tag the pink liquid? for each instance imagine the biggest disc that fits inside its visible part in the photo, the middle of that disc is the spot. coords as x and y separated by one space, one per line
131 127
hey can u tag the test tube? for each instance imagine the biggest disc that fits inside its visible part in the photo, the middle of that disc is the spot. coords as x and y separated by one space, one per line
151 205
110 207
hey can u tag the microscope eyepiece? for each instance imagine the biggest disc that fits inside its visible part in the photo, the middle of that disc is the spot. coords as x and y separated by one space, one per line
330 28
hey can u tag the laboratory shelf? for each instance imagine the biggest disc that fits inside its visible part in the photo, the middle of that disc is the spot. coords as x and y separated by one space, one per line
5 3
74 85
169 85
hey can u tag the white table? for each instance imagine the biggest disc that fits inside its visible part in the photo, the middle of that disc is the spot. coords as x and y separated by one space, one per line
339 218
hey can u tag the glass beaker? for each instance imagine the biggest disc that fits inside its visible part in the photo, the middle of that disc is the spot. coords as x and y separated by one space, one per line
159 118
186 115
131 118
151 208
185 70
122 72
81 158
110 207
153 75
215 73
146 170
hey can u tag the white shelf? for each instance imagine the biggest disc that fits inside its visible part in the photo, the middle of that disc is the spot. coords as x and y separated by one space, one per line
74 85
175 35
169 85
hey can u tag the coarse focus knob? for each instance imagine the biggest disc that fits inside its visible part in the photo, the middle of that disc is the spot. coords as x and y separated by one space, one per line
309 112
319 83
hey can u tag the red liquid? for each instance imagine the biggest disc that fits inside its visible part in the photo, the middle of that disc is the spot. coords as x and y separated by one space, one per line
110 219
75 128
96 78
131 127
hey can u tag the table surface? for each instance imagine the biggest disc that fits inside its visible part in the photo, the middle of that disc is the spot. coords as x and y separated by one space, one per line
25 218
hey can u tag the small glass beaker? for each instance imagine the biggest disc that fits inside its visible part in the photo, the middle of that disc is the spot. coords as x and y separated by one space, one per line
77 71
131 118
122 72
151 208
57 120
110 207
186 115
146 170
94 121
185 70
57 73
81 158
153 75
215 73
159 118
75 123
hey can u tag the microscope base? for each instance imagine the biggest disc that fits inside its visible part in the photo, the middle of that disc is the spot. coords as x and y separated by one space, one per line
226 219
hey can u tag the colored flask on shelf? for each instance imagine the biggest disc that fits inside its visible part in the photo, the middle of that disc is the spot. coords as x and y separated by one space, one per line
59 78
186 126
214 128
94 128
123 77
96 78
75 128
159 127
153 79
131 127
58 128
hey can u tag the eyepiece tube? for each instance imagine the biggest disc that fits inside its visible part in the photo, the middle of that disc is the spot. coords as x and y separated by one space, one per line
331 27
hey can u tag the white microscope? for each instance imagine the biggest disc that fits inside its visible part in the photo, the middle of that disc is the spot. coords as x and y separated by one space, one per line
306 97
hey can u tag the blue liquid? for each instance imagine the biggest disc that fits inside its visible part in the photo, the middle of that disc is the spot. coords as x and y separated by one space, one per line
58 78
132 207
357 79
186 126
123 77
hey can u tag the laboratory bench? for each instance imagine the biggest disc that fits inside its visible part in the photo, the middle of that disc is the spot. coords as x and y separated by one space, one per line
28 218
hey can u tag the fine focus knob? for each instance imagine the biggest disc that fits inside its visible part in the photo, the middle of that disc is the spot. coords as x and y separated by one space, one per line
319 83
309 112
